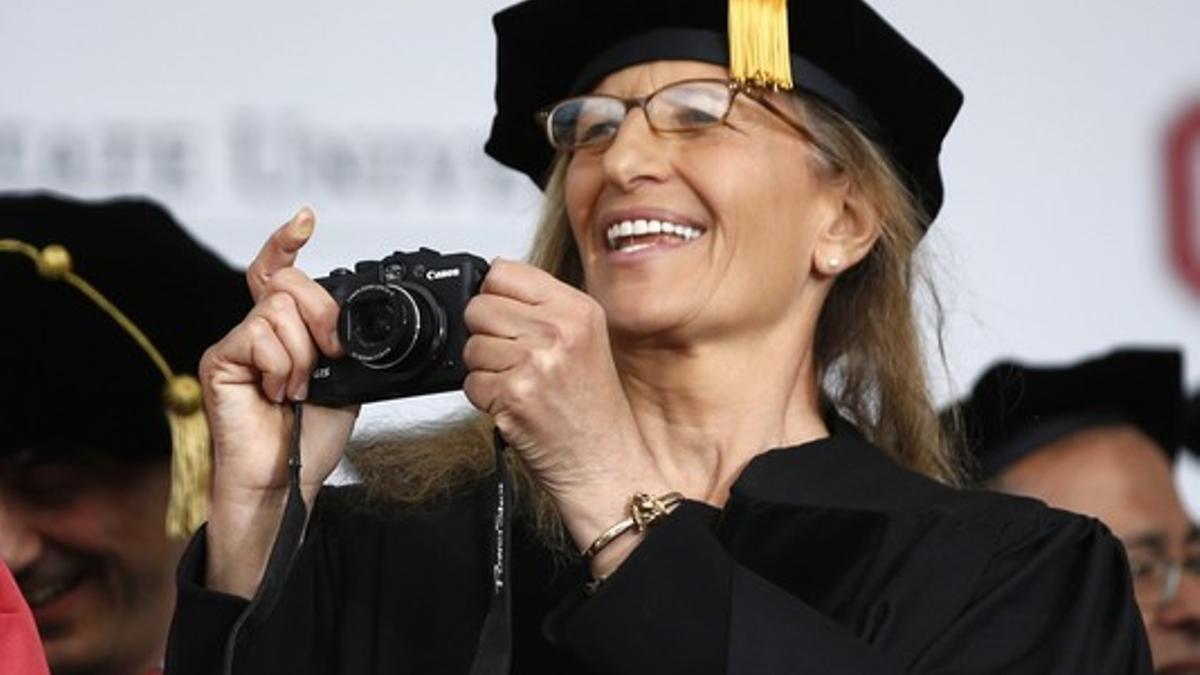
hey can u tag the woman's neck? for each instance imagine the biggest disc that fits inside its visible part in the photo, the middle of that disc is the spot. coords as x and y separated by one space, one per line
705 410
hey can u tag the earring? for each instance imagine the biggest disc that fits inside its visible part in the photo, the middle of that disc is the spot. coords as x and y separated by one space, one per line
835 263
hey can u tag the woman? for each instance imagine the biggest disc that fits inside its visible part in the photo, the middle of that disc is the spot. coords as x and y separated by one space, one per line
725 271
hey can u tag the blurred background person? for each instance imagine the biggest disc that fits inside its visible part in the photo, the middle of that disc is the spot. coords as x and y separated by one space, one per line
1099 438
85 454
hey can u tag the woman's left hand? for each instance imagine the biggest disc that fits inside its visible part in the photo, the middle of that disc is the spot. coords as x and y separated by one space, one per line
540 364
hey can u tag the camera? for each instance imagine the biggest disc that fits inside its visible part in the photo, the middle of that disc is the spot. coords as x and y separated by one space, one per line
401 326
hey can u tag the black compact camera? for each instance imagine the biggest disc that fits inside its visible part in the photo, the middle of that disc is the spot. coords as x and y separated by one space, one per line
401 326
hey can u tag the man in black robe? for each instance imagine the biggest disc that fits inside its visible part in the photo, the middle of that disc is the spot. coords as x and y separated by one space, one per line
85 444
1099 438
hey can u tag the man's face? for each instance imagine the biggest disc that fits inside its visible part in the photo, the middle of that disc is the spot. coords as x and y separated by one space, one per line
1118 475
84 538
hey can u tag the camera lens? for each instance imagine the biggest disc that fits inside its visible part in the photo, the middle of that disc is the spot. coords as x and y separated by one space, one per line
392 326
376 320
377 325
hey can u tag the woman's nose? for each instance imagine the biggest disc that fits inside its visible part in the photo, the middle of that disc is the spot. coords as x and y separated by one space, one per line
636 154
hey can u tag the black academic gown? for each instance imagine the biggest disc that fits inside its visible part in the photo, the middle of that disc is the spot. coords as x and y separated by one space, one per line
828 558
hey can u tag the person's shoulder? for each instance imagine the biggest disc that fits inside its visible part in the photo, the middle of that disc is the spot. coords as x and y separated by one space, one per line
847 474
1009 521
1023 523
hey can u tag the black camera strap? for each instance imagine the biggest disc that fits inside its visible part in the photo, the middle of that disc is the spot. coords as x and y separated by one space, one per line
283 551
493 655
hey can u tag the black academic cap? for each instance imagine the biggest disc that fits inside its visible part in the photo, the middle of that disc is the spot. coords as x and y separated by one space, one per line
842 52
73 378
1016 409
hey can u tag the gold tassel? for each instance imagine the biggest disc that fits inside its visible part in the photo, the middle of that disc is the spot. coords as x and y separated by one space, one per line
191 460
191 456
758 43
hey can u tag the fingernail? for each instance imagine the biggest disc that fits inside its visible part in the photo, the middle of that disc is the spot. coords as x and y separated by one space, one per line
302 223
301 392
281 394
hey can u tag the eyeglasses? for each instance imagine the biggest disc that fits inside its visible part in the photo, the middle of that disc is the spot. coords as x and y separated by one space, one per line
1156 580
688 105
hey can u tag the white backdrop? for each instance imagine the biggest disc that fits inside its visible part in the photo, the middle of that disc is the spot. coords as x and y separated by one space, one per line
1052 244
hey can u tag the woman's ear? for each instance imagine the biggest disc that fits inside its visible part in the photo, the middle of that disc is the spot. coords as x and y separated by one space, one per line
847 238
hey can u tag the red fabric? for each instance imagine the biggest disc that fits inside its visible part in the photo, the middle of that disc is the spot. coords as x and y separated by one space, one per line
20 649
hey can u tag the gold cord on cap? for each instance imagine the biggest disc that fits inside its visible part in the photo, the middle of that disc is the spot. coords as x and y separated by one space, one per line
191 460
53 262
758 43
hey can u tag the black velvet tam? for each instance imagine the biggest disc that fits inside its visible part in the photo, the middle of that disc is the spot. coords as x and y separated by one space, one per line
842 53
73 379
1016 409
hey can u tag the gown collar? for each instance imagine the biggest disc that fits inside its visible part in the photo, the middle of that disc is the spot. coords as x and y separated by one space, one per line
843 470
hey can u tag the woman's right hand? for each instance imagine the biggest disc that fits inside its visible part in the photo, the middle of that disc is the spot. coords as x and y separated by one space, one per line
250 380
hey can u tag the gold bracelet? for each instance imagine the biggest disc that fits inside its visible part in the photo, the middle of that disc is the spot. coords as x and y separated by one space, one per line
644 511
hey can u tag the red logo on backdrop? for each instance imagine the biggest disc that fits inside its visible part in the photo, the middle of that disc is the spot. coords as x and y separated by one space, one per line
1183 207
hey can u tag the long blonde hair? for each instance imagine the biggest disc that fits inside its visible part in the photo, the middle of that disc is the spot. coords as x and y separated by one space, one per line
868 351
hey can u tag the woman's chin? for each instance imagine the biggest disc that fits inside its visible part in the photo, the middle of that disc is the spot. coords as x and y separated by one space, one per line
640 323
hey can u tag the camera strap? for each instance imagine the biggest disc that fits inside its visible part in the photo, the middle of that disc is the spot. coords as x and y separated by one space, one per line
283 551
493 656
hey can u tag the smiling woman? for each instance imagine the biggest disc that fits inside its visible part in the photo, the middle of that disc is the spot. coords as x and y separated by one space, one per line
708 379
881 367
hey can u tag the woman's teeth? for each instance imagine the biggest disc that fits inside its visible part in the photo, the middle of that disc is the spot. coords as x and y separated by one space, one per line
622 236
